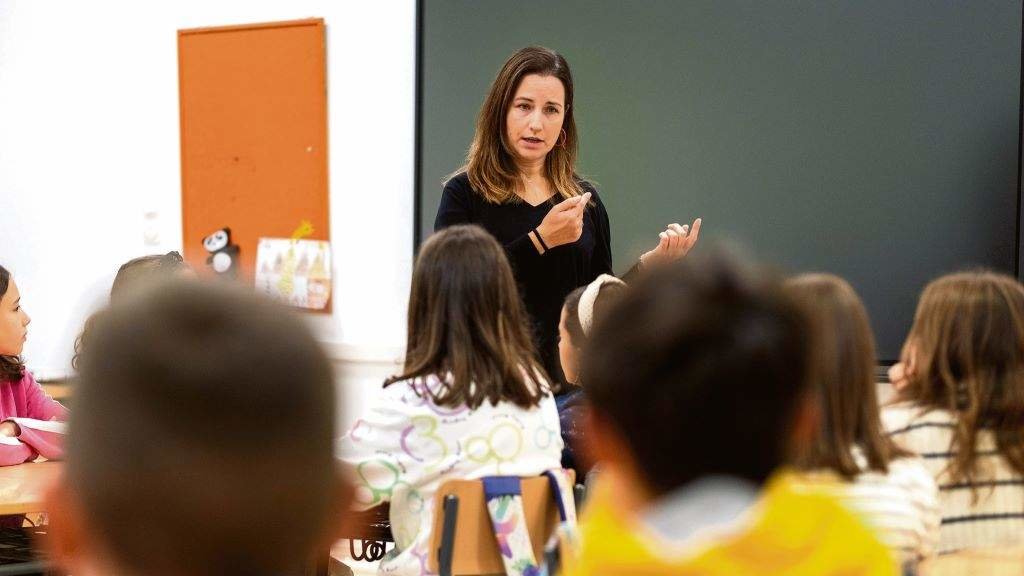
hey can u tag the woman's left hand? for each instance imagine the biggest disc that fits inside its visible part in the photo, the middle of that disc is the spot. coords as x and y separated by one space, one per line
674 243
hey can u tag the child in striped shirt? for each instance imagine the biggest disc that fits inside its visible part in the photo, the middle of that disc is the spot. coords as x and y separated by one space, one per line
960 405
890 490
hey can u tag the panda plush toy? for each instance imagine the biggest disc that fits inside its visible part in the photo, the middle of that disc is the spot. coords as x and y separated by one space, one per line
223 256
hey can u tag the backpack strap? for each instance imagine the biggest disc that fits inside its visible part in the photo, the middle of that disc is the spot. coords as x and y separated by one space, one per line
505 507
508 519
565 539
562 489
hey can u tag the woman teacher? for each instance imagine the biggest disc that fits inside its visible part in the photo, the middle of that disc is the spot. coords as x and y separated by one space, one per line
520 184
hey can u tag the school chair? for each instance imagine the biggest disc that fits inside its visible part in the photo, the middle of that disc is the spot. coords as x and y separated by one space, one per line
463 541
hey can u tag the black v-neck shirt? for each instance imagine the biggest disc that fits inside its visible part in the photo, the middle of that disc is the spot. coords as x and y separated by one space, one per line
544 279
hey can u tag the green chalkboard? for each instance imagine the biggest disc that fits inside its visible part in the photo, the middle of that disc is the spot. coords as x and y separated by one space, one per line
873 139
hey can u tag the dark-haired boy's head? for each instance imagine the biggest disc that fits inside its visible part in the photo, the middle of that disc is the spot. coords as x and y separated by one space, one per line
201 439
136 273
699 370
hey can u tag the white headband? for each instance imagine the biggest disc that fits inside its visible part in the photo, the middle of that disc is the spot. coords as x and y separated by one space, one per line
589 296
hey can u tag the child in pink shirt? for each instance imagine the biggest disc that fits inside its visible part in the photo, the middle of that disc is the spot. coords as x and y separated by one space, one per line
31 423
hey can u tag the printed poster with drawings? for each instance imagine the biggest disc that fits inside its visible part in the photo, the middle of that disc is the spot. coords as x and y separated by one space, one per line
296 272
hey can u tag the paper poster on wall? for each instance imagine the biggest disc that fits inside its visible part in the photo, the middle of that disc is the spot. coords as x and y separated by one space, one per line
296 272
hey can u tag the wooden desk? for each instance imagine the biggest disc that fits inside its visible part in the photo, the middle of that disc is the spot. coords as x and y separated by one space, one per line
988 561
22 486
58 391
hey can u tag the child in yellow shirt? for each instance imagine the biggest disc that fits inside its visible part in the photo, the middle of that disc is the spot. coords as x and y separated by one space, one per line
697 385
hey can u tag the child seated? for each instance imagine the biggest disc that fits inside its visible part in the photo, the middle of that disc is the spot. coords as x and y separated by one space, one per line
697 387
892 492
584 307
201 441
134 275
961 405
472 401
30 426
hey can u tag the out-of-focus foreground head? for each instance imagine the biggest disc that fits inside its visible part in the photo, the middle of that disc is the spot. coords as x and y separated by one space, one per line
200 440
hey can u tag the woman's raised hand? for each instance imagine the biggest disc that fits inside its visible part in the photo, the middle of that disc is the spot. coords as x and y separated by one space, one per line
674 243
564 222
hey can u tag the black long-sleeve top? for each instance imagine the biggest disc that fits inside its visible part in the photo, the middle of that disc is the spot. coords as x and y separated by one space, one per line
544 279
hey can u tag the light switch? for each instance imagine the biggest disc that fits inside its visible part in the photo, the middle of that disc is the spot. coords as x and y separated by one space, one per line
151 228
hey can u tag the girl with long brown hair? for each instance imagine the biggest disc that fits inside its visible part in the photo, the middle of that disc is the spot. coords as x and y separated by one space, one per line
892 492
471 400
961 405
520 184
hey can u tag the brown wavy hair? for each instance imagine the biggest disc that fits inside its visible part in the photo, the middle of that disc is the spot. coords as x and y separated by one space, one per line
968 358
467 326
842 370
490 163
130 276
11 367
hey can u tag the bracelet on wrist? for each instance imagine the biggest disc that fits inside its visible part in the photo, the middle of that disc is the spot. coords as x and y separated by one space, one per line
540 239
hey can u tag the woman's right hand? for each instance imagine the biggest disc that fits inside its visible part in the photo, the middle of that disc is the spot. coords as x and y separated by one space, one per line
564 222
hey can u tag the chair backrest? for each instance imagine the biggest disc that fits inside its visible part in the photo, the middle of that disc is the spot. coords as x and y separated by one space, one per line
475 548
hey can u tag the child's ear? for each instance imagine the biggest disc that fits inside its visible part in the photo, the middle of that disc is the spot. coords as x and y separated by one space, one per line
65 536
595 431
604 444
806 420
614 462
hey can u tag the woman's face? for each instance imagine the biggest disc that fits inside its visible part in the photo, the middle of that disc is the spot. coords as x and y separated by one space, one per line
567 352
534 121
13 322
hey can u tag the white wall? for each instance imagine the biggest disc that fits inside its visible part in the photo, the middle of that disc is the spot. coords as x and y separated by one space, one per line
89 144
